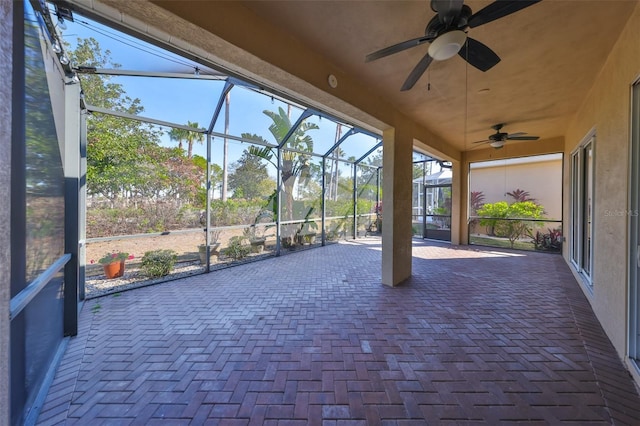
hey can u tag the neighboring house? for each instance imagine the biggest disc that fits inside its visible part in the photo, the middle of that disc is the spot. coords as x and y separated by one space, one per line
540 175
434 194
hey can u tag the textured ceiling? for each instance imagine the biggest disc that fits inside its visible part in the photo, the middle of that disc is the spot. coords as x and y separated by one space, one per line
551 53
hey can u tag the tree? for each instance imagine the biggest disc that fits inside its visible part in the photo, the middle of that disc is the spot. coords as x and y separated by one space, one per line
121 153
177 135
215 170
418 170
188 136
510 220
333 176
249 178
184 177
294 164
192 137
124 157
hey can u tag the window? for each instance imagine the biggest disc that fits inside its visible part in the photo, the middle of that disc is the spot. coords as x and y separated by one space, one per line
634 229
582 208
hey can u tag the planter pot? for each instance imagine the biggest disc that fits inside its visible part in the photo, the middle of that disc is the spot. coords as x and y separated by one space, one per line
310 238
257 245
286 242
213 251
306 239
114 269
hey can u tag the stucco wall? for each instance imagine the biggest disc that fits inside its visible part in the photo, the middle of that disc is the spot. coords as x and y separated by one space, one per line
543 181
607 110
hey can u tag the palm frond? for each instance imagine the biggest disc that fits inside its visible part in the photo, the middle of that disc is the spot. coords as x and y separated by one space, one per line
264 152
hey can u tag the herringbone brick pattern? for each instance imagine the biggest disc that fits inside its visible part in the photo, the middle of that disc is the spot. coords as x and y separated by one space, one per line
474 337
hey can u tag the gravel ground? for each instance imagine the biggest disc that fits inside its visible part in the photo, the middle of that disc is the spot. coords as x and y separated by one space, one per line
96 283
99 285
184 244
181 243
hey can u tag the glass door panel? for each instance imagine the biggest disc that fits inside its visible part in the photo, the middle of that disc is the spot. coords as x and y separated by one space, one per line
437 208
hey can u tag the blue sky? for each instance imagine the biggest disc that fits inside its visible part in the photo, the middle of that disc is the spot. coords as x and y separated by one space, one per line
182 100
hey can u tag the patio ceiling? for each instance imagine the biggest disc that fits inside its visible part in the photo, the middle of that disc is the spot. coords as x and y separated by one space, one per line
551 54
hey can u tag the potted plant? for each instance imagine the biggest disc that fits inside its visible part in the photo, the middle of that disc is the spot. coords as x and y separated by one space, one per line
256 239
286 242
214 247
113 263
307 232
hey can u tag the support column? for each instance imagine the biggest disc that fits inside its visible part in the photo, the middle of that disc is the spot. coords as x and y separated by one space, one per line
82 208
396 205
458 203
462 169
71 206
6 112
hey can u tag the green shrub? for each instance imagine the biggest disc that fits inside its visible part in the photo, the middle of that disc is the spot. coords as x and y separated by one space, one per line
234 211
510 220
158 263
237 249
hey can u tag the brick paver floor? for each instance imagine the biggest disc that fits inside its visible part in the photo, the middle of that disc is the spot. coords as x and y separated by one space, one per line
474 337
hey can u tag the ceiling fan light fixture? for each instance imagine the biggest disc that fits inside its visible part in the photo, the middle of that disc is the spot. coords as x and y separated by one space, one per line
447 45
497 144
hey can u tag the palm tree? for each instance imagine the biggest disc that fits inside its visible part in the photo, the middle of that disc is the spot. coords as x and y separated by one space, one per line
225 148
334 174
294 165
177 135
192 137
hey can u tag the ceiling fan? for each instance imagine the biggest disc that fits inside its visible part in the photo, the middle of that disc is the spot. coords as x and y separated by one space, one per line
498 139
446 33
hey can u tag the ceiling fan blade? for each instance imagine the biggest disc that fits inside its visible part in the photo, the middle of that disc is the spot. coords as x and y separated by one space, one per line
482 141
481 145
523 138
417 72
516 134
396 48
478 54
447 10
497 10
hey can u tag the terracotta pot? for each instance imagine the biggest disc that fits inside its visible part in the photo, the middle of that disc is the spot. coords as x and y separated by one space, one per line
114 269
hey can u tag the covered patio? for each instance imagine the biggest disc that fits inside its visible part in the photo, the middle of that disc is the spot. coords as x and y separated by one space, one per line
475 336
373 331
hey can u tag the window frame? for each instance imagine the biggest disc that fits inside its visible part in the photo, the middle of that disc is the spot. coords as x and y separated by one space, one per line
582 208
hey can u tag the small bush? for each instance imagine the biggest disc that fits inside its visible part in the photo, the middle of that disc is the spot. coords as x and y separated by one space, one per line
158 263
237 249
551 241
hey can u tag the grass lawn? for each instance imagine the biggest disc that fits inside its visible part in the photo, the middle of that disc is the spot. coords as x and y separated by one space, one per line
500 242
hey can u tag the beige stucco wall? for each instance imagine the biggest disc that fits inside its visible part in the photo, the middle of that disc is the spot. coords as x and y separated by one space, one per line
542 179
607 110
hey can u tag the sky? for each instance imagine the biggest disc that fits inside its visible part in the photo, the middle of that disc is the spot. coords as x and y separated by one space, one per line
195 100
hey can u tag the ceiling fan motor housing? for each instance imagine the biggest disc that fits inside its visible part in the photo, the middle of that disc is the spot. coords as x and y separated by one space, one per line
447 45
498 137
446 32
